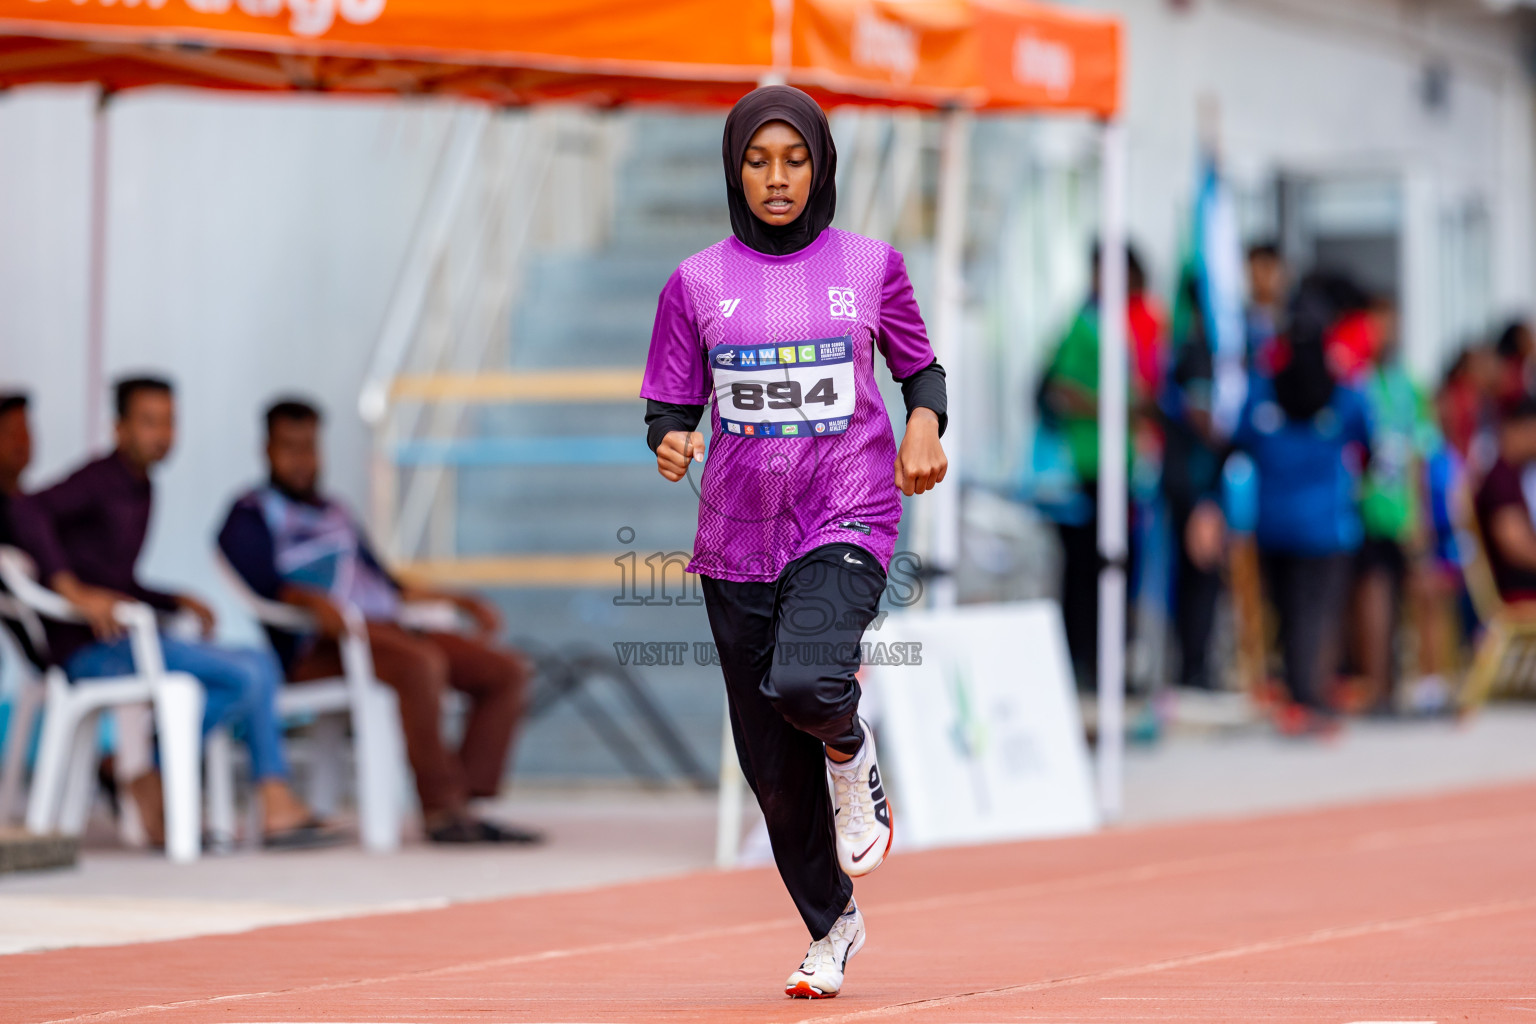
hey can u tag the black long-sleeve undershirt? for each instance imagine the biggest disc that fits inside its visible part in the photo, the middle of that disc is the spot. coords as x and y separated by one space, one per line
925 389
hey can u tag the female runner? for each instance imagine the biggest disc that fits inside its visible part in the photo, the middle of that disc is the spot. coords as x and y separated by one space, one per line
776 328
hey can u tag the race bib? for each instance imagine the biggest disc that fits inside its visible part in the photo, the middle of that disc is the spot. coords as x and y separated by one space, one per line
804 389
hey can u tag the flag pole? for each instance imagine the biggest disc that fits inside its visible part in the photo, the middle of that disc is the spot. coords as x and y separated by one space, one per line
1112 500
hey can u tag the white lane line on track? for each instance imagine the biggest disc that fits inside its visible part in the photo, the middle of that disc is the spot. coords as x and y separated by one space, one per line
1312 938
1375 840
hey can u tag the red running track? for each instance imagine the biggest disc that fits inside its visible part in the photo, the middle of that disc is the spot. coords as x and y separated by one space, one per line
1421 910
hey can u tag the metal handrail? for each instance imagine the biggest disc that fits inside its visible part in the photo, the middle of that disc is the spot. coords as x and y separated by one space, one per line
426 252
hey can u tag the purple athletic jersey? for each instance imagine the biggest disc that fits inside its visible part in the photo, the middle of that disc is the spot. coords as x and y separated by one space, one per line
782 348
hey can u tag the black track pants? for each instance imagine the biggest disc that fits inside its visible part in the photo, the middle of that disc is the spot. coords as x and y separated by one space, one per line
1309 594
789 651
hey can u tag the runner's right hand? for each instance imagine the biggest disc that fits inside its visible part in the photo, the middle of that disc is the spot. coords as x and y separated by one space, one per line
675 450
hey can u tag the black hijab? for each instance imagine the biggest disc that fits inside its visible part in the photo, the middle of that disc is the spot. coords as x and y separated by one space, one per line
793 107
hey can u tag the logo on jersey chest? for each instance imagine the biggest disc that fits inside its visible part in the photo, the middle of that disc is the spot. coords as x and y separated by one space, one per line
842 304
728 306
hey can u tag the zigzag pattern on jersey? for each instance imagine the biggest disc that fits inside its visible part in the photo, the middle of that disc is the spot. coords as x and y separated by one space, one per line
863 496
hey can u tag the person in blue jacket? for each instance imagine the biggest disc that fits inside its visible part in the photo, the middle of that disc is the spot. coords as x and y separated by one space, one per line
1309 438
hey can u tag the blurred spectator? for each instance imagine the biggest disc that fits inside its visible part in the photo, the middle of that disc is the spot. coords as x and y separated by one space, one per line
1392 507
1503 515
1191 485
1354 336
15 456
85 534
1308 437
1466 404
291 543
1444 608
1514 351
1268 280
1069 403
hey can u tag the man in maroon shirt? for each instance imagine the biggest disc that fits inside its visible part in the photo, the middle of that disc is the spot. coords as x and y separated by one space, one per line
85 534
15 457
1503 515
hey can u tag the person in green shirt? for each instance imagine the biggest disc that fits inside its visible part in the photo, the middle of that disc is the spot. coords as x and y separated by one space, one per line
1069 404
1391 508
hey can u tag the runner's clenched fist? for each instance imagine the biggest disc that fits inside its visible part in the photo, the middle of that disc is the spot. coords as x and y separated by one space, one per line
675 450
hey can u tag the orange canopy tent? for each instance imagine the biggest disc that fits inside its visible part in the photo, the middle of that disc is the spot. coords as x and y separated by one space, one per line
984 54
952 55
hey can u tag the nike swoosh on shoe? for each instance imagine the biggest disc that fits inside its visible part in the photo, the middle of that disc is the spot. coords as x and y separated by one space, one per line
860 856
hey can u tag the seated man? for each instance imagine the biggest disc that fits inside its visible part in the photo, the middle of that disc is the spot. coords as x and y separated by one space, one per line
1503 516
15 457
292 544
85 534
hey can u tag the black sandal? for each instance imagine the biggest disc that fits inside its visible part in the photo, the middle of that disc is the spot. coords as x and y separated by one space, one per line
312 835
490 832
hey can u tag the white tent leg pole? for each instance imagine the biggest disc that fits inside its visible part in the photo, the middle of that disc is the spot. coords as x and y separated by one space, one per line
949 254
732 800
96 286
1112 473
782 43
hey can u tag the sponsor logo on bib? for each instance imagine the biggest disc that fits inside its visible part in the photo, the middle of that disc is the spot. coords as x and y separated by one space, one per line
806 389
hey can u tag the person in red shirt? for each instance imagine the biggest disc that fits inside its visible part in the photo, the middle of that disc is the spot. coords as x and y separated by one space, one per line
1465 406
1514 349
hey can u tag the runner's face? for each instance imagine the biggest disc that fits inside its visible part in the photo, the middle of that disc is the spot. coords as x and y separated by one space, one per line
776 173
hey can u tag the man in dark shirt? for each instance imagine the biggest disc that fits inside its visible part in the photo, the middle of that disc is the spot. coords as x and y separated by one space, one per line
1503 516
292 544
85 534
15 457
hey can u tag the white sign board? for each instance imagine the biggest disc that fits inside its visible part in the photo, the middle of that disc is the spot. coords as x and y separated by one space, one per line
982 741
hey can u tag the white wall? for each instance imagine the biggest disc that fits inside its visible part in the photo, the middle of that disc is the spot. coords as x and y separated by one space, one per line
253 244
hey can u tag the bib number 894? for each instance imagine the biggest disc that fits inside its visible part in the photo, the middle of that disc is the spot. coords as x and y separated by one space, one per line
781 394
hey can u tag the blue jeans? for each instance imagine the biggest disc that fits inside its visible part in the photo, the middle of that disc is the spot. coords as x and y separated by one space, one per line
240 685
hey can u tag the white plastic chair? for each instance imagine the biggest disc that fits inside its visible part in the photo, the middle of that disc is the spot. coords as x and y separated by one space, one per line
379 746
24 712
62 781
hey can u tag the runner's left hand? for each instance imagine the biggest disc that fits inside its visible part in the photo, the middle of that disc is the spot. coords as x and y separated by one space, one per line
921 463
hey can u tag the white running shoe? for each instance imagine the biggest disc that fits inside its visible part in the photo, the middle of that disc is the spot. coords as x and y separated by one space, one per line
861 815
820 974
